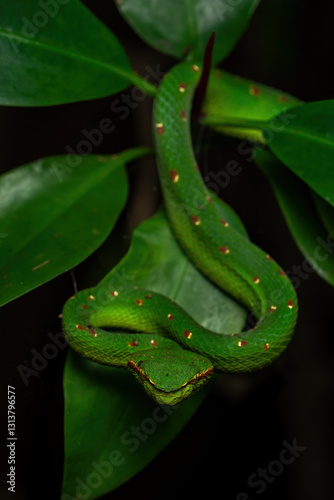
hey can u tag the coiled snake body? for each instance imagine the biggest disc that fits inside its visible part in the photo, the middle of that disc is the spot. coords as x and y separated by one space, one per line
174 356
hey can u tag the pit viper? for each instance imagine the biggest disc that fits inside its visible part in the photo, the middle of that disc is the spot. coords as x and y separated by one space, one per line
170 354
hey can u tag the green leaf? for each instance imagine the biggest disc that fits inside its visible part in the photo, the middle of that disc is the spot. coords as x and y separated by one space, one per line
104 405
53 216
183 28
306 227
57 52
233 105
306 145
326 213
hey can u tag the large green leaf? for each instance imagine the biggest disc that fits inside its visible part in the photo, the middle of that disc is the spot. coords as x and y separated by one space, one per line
104 406
53 216
326 213
305 144
306 227
179 28
57 52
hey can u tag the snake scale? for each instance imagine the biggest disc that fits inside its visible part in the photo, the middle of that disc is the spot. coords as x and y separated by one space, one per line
169 353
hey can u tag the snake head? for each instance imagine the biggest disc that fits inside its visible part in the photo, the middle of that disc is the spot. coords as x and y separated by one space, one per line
170 375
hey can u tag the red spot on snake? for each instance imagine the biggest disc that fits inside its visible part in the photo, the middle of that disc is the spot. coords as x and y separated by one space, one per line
159 128
269 258
154 342
187 334
266 346
148 296
254 90
195 220
139 302
256 280
92 332
242 343
183 115
282 273
114 293
91 297
208 199
174 175
290 304
195 68
224 250
84 306
182 87
224 223
170 316
79 327
272 308
134 343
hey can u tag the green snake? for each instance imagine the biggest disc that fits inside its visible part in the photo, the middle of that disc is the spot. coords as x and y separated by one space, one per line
169 353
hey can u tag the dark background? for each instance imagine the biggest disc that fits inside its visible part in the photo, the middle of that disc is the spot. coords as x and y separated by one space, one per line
242 424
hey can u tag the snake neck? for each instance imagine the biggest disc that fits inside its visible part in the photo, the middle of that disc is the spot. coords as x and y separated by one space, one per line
190 208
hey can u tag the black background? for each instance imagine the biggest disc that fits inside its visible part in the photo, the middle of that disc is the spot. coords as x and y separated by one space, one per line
242 424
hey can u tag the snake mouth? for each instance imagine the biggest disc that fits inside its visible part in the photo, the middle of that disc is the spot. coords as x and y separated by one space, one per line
196 379
199 376
138 371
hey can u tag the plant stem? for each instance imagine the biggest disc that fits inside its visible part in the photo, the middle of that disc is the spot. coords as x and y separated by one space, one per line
142 83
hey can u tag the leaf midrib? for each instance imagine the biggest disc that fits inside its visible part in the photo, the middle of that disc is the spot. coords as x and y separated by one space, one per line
131 77
113 169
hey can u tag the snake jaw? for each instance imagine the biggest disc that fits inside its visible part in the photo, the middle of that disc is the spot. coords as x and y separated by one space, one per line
193 380
199 376
135 368
173 396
